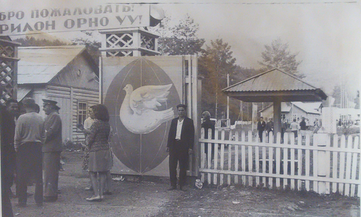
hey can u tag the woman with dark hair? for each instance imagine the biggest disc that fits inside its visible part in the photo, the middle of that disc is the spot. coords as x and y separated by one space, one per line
100 156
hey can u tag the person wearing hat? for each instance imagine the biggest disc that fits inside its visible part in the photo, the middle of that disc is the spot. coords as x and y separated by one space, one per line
51 149
28 142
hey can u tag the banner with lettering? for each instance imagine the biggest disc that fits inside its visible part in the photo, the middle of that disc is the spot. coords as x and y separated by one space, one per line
98 17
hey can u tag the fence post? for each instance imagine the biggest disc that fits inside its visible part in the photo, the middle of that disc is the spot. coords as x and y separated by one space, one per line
323 161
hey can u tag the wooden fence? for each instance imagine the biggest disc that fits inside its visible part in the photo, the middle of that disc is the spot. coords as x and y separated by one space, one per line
321 163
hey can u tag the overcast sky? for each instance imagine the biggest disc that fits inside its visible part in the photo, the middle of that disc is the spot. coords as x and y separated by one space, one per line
327 36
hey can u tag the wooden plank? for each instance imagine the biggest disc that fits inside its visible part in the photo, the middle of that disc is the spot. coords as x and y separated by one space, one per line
334 163
328 157
221 182
278 161
342 165
243 152
318 179
289 146
307 163
299 163
250 160
61 88
270 157
209 161
285 161
358 167
215 163
85 91
230 157
270 180
315 167
292 162
257 158
264 161
236 158
230 147
348 165
354 166
202 155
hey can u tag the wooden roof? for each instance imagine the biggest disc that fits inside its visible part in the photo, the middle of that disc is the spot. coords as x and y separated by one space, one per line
38 65
274 85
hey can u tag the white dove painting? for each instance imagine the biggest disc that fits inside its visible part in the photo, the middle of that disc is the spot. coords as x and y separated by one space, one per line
139 110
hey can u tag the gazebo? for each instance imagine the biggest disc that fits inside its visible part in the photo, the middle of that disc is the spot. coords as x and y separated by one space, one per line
275 86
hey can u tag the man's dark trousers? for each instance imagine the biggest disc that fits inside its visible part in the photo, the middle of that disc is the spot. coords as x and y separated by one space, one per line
177 153
29 163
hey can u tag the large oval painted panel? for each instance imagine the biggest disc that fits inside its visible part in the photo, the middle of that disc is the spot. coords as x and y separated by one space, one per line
141 100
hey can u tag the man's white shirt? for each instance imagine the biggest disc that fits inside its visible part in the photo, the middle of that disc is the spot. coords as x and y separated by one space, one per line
179 129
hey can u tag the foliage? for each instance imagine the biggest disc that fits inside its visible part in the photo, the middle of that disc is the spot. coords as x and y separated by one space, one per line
236 112
214 65
31 41
342 98
180 39
277 55
240 73
92 46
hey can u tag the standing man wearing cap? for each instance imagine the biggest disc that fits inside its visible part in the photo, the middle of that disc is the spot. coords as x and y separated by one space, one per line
180 145
28 142
51 150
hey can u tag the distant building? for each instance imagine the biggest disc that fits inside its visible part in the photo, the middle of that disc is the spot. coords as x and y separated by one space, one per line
66 74
296 110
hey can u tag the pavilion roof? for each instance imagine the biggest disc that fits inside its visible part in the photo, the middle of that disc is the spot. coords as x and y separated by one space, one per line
272 85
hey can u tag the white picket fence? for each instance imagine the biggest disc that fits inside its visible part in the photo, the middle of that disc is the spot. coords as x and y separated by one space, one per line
321 163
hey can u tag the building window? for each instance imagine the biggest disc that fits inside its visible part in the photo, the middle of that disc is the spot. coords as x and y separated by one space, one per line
81 112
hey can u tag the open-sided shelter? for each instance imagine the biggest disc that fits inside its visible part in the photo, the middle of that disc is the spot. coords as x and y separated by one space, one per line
275 86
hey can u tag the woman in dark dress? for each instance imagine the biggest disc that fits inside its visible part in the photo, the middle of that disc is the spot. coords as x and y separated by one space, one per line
100 156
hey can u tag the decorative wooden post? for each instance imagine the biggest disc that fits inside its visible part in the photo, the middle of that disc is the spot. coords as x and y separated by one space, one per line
8 76
8 69
276 118
323 161
129 42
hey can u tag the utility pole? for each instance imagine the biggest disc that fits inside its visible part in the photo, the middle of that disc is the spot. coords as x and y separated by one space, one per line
227 97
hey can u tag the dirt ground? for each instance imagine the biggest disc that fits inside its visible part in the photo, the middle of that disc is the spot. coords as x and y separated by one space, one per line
149 197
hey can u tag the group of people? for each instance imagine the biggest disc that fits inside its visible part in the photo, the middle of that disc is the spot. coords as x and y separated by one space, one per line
266 126
294 127
33 146
30 145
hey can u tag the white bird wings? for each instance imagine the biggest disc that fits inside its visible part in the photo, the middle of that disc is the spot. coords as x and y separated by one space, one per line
148 97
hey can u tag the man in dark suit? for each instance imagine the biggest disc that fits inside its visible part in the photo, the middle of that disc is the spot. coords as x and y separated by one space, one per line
261 125
180 145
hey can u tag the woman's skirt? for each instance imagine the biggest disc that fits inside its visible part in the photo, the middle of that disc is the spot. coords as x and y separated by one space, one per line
85 159
100 161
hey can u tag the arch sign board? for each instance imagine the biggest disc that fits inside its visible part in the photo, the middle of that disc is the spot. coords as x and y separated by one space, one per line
141 94
78 18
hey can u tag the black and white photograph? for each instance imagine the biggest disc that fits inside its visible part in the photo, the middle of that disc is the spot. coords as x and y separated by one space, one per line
180 108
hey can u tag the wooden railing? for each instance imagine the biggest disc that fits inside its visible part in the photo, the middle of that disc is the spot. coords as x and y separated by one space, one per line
321 163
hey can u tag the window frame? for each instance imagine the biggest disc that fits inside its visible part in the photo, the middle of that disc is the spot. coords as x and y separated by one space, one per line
82 112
